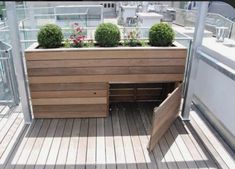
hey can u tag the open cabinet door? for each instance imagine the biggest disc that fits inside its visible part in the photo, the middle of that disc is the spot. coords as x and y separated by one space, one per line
164 116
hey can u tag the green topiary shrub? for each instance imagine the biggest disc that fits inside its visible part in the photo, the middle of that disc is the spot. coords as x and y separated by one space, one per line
161 35
50 36
107 35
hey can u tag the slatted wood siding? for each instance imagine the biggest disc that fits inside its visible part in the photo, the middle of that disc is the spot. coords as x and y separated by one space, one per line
144 92
75 82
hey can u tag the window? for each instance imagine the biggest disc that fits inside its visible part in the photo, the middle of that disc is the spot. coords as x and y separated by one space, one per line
112 5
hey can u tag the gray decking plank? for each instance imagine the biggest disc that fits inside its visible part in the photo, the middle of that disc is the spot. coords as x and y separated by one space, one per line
144 139
53 154
100 145
183 148
128 147
91 145
13 145
137 147
118 141
146 118
10 134
109 143
188 142
216 156
29 145
64 145
37 145
82 145
45 149
73 145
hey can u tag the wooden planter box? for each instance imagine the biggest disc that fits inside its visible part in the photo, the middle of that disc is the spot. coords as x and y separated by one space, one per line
74 82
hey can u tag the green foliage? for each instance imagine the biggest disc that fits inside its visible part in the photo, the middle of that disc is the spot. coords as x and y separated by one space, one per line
50 36
67 43
161 35
143 43
90 43
132 38
107 35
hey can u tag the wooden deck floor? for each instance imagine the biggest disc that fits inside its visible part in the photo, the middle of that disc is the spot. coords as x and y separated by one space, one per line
116 142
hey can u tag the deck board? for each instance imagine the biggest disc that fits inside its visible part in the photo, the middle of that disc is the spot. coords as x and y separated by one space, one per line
109 144
91 145
37 145
160 160
73 145
45 149
54 149
82 145
138 152
116 142
100 142
21 163
217 150
64 145
126 137
183 147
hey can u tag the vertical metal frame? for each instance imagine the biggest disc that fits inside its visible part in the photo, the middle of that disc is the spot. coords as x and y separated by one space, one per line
193 61
9 71
18 60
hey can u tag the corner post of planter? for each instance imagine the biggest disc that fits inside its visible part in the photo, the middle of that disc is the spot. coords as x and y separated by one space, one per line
193 62
18 60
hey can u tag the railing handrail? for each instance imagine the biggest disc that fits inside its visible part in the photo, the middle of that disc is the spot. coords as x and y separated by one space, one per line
6 45
209 13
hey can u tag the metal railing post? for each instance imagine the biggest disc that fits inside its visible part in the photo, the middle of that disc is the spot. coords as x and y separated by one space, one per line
18 60
193 62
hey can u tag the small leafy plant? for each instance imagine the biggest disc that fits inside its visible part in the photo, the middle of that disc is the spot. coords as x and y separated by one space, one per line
50 36
161 35
67 43
78 36
132 38
107 35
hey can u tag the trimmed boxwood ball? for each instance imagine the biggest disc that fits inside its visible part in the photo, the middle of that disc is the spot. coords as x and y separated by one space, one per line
107 35
50 36
161 35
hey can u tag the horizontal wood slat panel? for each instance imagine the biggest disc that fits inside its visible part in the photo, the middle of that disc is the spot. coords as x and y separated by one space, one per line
108 78
68 86
69 94
69 101
138 85
70 108
132 91
114 99
122 91
164 53
105 71
150 91
142 97
69 114
105 63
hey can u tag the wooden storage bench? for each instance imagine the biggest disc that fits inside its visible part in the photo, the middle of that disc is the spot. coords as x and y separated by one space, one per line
74 82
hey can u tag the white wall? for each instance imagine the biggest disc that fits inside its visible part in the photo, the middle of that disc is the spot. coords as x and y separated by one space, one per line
217 92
